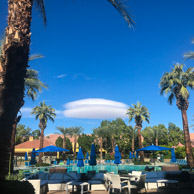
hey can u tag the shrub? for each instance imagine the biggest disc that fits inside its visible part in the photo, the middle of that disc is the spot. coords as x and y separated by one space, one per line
16 187
42 164
141 163
14 177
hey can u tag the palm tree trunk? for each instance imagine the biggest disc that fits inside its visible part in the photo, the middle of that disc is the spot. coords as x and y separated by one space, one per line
41 144
189 154
101 143
132 146
140 144
113 143
156 141
12 73
12 147
75 143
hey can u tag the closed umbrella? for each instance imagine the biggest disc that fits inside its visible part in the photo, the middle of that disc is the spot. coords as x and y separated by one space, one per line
130 155
87 155
68 161
136 155
93 156
80 158
173 157
117 156
26 156
133 154
33 157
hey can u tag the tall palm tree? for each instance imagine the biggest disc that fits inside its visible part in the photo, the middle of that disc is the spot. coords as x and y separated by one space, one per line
75 132
14 64
140 114
43 113
175 84
100 134
32 86
65 132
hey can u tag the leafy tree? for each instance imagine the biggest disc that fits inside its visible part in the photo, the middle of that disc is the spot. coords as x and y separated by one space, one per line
85 141
36 134
43 113
65 132
175 135
14 61
22 134
59 143
140 114
75 132
148 136
175 84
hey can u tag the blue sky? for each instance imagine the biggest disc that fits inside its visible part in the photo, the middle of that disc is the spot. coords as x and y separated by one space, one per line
89 52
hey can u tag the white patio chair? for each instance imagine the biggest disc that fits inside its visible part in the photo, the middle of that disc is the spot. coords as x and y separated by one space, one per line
116 183
139 185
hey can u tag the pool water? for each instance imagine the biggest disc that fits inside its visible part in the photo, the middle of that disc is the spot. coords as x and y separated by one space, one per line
97 168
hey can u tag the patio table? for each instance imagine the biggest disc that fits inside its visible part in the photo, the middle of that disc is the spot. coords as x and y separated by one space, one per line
168 183
77 183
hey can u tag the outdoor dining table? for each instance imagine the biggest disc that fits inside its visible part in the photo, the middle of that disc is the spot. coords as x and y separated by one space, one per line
129 177
168 183
77 184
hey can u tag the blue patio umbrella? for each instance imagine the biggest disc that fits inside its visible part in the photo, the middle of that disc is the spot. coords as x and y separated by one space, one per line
117 156
173 157
52 148
68 161
153 148
130 155
87 155
26 156
136 154
93 156
33 157
80 158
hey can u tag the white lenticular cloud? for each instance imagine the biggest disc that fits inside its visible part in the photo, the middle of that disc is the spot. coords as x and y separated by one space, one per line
95 108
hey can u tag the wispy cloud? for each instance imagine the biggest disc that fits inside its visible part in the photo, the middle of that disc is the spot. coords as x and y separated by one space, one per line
95 108
61 76
81 75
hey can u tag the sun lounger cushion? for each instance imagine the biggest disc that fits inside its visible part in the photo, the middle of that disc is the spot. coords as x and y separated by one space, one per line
151 175
43 182
43 176
56 176
98 176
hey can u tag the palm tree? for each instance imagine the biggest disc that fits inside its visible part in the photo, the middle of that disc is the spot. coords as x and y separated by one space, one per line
74 132
65 132
100 134
190 54
140 114
175 84
14 62
43 113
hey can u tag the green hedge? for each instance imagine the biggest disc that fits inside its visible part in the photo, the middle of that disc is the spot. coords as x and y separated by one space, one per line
16 187
42 164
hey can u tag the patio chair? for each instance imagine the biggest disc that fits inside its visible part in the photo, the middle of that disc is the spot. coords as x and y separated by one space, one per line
139 185
137 175
116 183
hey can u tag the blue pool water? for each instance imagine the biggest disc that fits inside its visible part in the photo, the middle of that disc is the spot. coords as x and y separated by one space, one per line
84 169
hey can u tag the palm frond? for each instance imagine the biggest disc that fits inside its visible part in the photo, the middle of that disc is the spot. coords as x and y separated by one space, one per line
35 56
41 7
120 6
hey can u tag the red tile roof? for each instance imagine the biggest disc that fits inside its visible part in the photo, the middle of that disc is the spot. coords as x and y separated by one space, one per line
33 144
192 136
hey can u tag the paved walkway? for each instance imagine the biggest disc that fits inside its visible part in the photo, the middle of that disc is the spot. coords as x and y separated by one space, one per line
96 192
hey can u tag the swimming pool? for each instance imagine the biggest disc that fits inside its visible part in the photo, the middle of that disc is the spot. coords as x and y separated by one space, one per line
97 168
